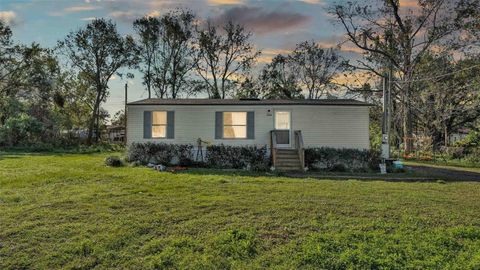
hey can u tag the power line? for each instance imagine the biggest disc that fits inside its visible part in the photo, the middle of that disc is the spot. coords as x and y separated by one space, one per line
439 76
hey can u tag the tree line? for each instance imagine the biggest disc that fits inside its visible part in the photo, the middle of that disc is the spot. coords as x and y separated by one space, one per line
433 93
46 92
177 54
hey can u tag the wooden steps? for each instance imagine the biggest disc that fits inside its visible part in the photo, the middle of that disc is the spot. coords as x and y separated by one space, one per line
287 160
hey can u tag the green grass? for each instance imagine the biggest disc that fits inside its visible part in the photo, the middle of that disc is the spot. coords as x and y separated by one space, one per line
70 211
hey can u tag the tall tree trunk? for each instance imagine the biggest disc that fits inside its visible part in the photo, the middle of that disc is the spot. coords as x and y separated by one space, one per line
95 115
97 127
91 126
407 122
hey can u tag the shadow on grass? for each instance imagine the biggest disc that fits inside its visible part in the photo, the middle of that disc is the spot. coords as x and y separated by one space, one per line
319 175
456 174
229 172
429 174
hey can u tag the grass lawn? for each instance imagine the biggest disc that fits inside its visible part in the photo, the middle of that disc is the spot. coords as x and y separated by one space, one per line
70 211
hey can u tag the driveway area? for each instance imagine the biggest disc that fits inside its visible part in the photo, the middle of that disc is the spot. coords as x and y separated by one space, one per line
445 173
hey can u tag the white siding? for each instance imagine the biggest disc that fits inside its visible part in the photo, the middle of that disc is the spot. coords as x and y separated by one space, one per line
332 126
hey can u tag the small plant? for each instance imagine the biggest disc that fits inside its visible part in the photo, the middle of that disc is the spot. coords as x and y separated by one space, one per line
113 161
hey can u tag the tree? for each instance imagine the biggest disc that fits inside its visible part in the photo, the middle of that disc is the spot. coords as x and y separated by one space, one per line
449 102
98 51
316 67
223 56
248 89
148 30
177 55
11 64
278 79
166 51
392 37
77 100
30 96
468 21
119 118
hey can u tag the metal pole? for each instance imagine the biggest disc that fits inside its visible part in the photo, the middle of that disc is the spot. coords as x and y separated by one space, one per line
385 123
125 113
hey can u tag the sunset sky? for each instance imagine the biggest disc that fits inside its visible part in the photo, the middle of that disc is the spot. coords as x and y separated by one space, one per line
277 25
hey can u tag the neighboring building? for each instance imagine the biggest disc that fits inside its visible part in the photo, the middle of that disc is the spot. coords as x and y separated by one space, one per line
459 135
116 133
338 123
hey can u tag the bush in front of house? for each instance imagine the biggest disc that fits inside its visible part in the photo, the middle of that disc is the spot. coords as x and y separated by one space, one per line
160 153
333 159
113 161
238 157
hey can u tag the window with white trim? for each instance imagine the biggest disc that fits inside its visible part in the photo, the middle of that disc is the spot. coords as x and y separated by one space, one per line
235 125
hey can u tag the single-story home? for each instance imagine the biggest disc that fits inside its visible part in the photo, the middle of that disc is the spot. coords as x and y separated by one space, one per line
286 127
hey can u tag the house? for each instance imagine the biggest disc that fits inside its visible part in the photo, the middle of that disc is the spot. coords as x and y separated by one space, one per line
459 135
286 127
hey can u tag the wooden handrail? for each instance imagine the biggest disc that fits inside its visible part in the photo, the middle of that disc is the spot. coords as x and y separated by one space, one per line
273 146
300 147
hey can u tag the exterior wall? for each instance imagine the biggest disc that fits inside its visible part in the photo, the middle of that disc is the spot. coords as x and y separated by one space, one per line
332 126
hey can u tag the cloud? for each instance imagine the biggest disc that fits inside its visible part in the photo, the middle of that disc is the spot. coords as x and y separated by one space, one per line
225 2
80 8
125 16
312 2
73 9
154 13
269 53
261 21
88 18
9 17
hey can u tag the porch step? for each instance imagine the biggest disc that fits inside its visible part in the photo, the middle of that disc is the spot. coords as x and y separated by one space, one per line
287 160
288 168
286 151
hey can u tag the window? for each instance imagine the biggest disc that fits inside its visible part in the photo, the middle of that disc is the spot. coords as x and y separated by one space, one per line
235 125
282 120
159 124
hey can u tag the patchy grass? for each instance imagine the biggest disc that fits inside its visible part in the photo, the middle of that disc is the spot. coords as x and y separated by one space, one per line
71 211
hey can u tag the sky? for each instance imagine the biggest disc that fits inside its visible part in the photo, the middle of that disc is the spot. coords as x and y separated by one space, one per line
277 25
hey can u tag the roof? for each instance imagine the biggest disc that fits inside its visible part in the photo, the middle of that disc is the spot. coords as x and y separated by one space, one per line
115 127
332 102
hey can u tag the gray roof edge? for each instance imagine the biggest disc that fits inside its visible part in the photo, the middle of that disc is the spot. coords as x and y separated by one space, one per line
236 102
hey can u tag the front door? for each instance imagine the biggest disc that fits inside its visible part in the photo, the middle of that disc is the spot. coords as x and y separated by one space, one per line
282 128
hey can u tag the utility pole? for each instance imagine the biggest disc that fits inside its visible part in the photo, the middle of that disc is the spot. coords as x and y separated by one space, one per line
386 118
125 113
387 90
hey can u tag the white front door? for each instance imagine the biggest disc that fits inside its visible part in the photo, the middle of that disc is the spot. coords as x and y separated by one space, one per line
283 128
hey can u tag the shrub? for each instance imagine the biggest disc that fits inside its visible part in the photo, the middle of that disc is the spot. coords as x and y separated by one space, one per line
160 153
22 129
333 159
473 155
453 152
471 140
113 161
238 157
184 154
